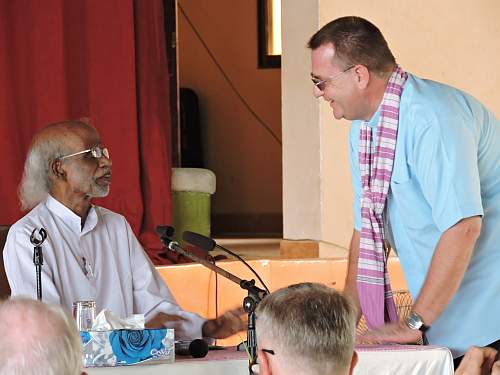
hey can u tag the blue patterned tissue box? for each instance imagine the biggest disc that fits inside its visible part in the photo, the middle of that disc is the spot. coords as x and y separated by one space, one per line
127 347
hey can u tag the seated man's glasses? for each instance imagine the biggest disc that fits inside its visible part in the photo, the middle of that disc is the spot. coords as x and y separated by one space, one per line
321 83
96 152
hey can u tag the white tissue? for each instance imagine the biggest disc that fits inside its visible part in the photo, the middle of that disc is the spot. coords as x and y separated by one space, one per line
107 321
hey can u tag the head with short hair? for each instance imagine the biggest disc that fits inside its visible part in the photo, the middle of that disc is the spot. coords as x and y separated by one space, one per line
356 41
49 144
38 339
309 327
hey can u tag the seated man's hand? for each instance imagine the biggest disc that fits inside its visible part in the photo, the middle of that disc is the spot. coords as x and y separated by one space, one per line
162 320
225 325
478 361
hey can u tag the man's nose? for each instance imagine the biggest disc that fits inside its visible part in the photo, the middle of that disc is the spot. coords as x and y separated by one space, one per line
105 162
317 92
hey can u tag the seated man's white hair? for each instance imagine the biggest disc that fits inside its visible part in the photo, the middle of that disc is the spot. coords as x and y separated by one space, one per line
310 328
38 339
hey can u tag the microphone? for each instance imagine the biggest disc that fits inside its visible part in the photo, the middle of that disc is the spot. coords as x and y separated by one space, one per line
197 348
165 232
38 258
199 240
208 244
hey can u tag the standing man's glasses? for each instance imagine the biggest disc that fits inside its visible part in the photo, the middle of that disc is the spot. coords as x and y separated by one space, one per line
96 152
321 83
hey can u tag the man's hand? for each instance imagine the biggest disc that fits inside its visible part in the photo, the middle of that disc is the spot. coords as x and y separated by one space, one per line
479 361
495 370
225 325
162 320
392 332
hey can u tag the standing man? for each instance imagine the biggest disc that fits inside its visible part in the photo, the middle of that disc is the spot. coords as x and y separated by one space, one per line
425 160
90 253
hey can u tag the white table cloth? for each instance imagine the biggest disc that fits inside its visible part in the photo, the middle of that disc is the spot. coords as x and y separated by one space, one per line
373 360
403 360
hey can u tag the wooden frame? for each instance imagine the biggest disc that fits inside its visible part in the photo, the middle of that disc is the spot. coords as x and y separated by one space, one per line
265 60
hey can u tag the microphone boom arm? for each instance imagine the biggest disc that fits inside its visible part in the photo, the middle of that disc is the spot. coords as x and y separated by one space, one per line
246 264
255 294
244 284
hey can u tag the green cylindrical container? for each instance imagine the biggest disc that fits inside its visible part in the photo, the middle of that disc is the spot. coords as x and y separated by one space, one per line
191 192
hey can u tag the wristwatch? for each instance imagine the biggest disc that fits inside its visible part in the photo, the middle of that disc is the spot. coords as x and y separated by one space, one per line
414 321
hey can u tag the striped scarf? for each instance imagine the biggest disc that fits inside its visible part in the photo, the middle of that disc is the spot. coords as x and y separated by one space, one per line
374 288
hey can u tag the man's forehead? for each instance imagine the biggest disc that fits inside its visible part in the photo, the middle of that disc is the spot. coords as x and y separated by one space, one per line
87 136
322 61
72 134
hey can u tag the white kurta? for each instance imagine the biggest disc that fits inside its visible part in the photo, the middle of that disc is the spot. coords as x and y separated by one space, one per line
104 262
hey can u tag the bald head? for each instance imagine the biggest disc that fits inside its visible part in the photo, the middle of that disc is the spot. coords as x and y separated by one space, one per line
37 336
65 133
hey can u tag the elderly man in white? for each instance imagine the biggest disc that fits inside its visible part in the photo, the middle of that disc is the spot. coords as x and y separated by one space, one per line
90 253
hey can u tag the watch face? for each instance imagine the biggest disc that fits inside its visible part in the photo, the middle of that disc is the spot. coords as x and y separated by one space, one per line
414 321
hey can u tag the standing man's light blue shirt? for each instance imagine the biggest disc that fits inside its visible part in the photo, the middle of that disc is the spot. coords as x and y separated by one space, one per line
447 168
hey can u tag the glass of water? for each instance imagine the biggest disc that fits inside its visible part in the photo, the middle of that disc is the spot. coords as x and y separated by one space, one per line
84 314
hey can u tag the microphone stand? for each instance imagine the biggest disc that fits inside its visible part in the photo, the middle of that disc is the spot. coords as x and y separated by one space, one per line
38 258
255 295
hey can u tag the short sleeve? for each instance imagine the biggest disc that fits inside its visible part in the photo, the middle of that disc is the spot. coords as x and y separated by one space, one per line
446 166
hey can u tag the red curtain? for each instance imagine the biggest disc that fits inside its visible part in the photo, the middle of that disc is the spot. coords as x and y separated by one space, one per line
104 60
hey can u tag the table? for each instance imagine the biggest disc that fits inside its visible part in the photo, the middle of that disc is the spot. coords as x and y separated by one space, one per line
373 360
218 362
403 360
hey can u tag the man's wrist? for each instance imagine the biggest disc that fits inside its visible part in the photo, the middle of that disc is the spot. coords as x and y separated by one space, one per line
208 328
204 329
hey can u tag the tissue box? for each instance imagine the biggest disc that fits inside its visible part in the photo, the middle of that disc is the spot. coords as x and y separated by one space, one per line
127 347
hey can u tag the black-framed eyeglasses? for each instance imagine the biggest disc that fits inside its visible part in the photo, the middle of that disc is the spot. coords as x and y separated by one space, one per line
96 152
270 351
321 83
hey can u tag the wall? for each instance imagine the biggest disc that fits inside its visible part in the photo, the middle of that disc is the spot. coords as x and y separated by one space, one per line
244 156
452 41
300 112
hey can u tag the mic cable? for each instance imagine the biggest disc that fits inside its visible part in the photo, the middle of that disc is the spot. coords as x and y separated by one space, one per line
208 244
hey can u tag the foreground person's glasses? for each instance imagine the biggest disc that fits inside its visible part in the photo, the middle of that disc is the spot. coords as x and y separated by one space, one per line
96 152
270 351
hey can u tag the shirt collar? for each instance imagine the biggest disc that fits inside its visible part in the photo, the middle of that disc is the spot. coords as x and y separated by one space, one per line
71 219
373 122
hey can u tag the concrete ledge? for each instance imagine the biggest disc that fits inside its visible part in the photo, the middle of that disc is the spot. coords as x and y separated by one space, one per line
299 249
